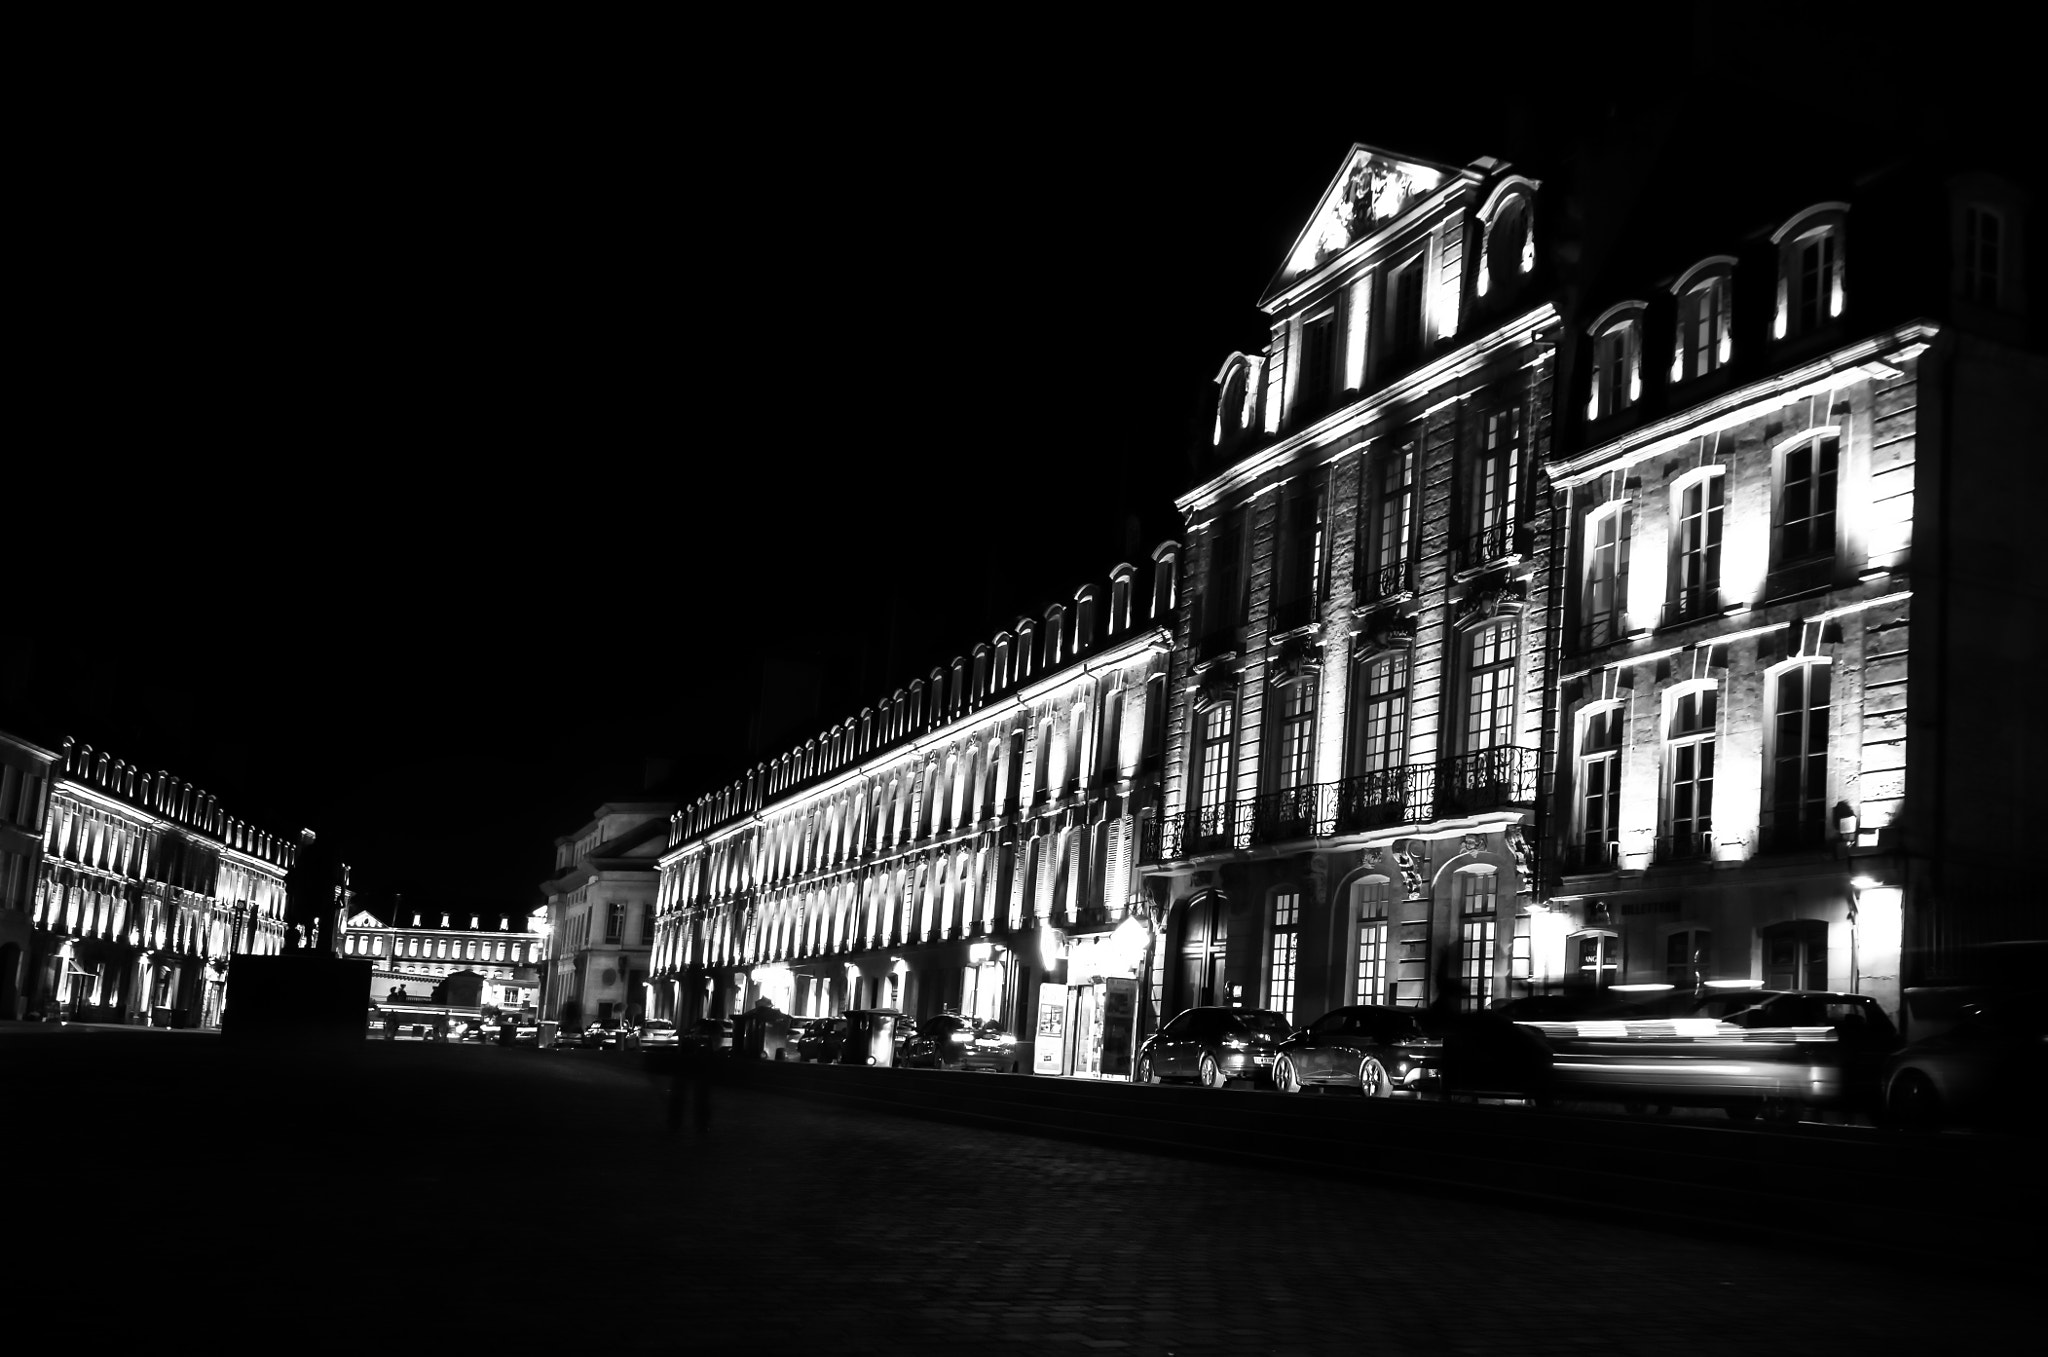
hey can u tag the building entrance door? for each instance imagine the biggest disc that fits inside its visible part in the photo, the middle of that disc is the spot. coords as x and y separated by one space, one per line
1796 955
1204 942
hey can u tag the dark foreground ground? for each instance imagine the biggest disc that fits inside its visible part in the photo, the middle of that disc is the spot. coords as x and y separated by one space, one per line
446 1198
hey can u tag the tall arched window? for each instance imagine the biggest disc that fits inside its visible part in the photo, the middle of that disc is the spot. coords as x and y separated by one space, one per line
1799 707
1605 612
1283 914
1597 832
1474 892
1371 977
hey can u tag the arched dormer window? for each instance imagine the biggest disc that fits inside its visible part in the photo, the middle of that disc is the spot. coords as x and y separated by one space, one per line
1810 266
1508 249
1617 360
1703 342
1237 404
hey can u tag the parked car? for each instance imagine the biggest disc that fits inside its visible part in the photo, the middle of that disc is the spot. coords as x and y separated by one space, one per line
1376 1050
821 1040
710 1034
950 1041
656 1034
1212 1046
607 1034
527 1033
568 1036
1985 1066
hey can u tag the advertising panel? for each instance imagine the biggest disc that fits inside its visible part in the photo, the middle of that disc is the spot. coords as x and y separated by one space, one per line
1049 1053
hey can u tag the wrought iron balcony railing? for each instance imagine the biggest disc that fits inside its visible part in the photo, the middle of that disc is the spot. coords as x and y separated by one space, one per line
1390 796
1390 581
1597 855
1495 542
1296 813
1486 779
1691 846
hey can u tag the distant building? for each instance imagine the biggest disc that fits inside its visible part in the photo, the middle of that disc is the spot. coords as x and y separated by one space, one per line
600 911
24 795
474 960
146 891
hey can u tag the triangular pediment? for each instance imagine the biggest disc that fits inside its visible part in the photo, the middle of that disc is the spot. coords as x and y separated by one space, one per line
362 918
1370 191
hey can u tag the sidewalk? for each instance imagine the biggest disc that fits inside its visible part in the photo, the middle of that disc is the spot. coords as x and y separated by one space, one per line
22 1027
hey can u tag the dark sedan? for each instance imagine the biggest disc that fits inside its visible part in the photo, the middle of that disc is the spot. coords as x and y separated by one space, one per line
712 1035
1378 1051
1983 1063
952 1042
1213 1046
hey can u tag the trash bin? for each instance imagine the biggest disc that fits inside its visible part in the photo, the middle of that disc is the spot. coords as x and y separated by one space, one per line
548 1028
870 1037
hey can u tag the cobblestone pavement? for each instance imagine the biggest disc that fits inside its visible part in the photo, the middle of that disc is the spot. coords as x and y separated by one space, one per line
519 1200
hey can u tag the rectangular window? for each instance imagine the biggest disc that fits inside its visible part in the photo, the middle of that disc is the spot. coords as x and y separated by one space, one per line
1380 737
1613 371
1799 756
1224 603
1404 292
1600 787
615 923
1294 736
1699 548
1213 776
1813 280
1280 966
1475 939
1983 232
1689 777
1301 556
1371 895
1386 515
1318 379
1494 480
1607 540
1490 688
1806 500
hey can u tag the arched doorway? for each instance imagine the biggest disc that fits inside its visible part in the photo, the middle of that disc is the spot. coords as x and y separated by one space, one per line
1204 935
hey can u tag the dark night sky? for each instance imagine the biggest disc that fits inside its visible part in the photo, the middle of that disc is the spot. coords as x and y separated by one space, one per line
426 444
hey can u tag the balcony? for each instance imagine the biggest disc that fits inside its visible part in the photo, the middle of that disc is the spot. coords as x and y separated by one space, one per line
1390 796
1296 813
1486 779
1490 546
1388 582
1600 855
1293 615
1691 846
1692 604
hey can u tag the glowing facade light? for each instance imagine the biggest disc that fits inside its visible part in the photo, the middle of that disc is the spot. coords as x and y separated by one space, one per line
1778 324
1485 277
1835 295
1529 247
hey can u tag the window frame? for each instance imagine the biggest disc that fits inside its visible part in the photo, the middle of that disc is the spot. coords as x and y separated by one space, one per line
1704 298
1696 742
1386 750
1283 950
1812 763
1612 716
1371 928
1701 598
1592 634
1407 308
1616 381
1973 275
1822 227
1292 749
1386 538
1505 698
1827 485
1477 927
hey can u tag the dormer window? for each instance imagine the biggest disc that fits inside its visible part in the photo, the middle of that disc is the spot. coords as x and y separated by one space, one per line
1704 341
1809 270
1318 378
1983 253
1617 361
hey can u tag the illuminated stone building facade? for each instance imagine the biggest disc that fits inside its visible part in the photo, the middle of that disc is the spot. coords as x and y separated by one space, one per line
146 891
497 953
948 848
1789 750
24 794
600 906
1361 657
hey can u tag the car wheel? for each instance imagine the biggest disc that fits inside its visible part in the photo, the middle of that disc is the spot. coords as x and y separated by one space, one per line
1372 1079
1285 1080
1914 1104
1146 1074
1212 1073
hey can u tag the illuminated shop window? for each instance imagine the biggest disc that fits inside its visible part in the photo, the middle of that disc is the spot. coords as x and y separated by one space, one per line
1606 591
1697 545
1286 918
1476 914
1369 902
1597 956
1601 736
1689 776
